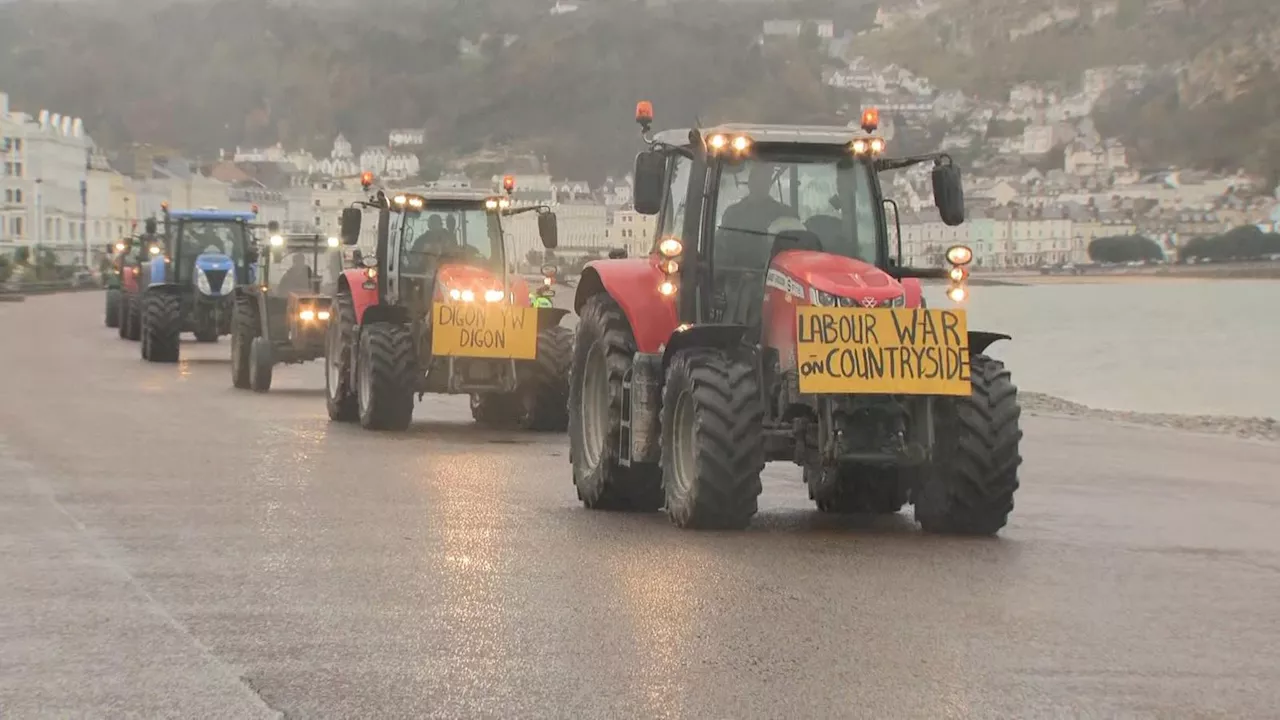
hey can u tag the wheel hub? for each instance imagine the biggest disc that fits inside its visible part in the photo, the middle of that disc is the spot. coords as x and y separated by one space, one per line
595 405
684 468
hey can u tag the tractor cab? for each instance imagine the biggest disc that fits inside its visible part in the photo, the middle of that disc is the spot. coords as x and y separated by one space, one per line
751 214
210 249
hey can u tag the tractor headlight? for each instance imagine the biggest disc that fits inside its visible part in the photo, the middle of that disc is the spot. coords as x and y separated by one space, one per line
822 298
228 283
494 296
202 282
333 242
462 295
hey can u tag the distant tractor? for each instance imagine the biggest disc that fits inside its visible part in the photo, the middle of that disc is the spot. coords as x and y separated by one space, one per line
135 266
774 322
437 310
284 318
111 280
189 287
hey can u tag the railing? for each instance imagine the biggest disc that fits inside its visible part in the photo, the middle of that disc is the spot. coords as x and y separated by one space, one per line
18 291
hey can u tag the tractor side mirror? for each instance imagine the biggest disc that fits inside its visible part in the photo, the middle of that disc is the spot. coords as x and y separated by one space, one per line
948 194
273 227
617 253
150 226
252 254
350 225
548 230
651 171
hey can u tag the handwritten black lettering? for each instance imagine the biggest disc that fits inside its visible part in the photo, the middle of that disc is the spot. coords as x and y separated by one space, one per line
950 329
481 338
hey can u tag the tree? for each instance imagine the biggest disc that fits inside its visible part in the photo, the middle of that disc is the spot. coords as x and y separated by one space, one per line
1125 249
1242 243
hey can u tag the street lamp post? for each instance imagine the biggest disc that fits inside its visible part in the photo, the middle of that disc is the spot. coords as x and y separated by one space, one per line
84 219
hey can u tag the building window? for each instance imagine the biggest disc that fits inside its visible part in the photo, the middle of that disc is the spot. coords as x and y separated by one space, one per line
8 196
17 144
17 169
17 196
17 227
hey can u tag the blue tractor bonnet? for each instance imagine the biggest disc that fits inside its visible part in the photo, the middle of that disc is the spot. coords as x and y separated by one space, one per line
214 261
158 267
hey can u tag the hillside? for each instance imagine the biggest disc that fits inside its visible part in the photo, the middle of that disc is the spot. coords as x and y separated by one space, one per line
1220 111
248 72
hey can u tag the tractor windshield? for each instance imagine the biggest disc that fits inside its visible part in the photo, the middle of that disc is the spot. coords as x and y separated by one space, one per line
822 202
208 236
460 233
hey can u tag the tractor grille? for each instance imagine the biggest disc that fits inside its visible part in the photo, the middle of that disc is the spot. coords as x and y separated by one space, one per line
857 302
215 278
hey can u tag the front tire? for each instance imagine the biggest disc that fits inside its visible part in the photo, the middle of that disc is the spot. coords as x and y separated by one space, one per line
546 387
603 349
712 440
246 327
340 397
161 327
113 308
385 370
969 488
260 365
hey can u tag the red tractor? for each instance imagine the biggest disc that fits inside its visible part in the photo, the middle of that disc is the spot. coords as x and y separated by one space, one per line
774 322
438 309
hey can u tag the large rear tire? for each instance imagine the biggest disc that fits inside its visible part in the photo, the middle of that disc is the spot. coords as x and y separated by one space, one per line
135 318
969 488
161 327
340 397
244 329
260 365
712 440
386 370
603 349
546 387
113 308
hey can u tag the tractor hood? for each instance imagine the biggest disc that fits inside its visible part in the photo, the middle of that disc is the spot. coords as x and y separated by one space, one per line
474 282
214 261
844 277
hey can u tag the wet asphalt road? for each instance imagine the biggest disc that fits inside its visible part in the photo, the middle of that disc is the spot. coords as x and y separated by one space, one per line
171 547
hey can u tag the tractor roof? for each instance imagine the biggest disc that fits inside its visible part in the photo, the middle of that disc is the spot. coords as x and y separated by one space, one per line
449 194
304 240
763 133
213 215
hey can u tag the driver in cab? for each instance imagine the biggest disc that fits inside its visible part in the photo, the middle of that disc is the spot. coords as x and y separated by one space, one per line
434 240
748 220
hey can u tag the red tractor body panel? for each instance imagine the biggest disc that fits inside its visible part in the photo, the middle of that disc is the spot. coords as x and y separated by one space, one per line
459 277
633 283
361 297
794 272
478 280
129 279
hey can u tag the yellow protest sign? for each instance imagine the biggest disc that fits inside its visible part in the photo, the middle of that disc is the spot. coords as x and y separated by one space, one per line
882 351
484 331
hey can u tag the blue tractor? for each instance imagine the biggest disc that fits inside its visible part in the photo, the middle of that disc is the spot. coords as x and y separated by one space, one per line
190 287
